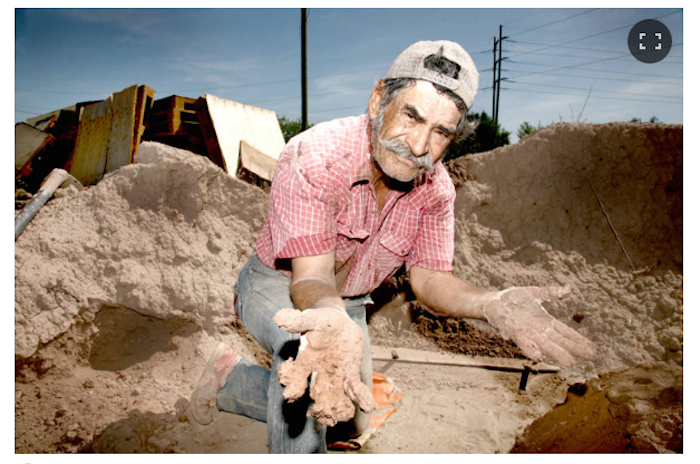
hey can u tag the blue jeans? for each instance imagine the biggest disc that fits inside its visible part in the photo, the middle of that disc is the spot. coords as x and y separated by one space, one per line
255 391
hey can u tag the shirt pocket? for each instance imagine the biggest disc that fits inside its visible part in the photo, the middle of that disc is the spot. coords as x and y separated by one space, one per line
391 254
353 230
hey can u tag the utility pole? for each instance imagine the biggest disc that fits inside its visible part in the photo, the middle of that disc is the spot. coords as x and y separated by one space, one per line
497 72
493 93
304 109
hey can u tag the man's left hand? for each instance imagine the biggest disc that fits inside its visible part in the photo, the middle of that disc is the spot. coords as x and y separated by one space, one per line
519 315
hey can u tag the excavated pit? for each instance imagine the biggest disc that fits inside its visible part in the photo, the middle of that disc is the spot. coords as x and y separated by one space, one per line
121 291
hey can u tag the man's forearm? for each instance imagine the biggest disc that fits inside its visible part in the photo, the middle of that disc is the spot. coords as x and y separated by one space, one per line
449 295
312 293
313 282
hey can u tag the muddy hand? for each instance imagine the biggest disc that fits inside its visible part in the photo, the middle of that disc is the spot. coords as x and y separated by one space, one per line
519 315
331 351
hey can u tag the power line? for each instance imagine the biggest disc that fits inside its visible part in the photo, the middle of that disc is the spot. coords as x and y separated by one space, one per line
554 22
585 69
594 96
608 78
603 91
577 56
595 70
574 48
523 17
595 35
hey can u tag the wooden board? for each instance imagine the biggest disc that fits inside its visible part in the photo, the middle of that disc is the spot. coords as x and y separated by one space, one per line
257 162
121 137
231 122
28 142
144 102
105 137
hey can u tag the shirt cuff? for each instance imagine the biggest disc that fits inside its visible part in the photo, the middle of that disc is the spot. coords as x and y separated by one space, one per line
310 245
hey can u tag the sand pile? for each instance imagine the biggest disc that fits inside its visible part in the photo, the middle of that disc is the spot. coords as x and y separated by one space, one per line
527 214
120 289
160 237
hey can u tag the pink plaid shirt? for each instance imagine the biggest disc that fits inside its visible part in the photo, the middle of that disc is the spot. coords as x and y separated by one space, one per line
322 200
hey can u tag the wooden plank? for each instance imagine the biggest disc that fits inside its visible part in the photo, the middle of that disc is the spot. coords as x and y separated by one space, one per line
38 120
257 162
208 133
28 142
144 102
232 122
105 137
174 102
121 137
87 163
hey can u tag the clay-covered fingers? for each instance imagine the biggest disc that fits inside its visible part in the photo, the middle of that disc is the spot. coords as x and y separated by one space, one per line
574 342
290 320
562 343
294 377
524 341
360 394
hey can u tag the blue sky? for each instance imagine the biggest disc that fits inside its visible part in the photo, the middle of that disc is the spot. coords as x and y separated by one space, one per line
555 57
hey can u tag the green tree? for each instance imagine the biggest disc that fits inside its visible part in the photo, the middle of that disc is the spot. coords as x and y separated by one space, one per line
290 127
487 136
526 129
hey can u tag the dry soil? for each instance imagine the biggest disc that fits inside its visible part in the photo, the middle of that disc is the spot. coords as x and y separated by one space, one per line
123 288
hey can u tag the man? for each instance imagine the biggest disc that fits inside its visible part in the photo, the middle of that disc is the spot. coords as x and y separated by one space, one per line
352 201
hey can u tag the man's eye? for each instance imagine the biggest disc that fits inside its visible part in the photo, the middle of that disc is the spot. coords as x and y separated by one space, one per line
410 115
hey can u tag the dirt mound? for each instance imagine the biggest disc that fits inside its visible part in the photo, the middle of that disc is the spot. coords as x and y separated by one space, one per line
160 237
120 291
567 206
639 411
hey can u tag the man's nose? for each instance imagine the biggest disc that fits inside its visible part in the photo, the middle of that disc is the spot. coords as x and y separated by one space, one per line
418 140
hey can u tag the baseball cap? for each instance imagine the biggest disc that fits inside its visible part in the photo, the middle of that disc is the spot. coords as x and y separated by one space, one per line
441 62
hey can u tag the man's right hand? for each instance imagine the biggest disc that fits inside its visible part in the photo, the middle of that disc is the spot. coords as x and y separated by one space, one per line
331 351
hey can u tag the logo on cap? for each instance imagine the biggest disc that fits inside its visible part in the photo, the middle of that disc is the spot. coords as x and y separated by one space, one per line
438 63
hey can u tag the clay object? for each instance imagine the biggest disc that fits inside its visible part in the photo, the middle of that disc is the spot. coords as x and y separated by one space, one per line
331 351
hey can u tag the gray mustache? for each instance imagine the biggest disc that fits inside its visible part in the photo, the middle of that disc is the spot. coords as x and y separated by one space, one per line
402 149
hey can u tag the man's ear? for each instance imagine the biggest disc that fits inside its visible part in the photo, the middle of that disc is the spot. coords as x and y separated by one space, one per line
375 99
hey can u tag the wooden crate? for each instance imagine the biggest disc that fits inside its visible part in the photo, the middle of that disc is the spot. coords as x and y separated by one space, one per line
173 115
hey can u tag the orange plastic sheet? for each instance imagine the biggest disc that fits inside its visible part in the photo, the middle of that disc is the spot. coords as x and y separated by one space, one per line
387 398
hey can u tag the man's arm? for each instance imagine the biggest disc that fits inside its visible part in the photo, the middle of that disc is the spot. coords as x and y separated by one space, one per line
313 282
448 295
516 312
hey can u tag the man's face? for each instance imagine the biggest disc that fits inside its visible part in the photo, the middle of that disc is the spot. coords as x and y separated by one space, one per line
418 126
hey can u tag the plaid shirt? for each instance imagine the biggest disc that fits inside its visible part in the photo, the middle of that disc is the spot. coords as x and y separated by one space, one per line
322 200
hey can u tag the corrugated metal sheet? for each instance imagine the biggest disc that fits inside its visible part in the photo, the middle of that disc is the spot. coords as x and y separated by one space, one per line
233 122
